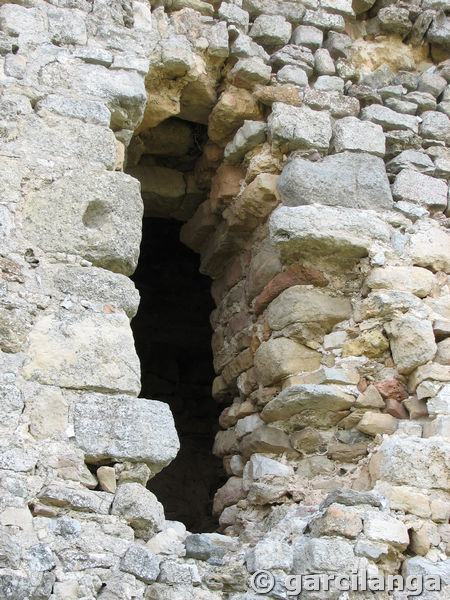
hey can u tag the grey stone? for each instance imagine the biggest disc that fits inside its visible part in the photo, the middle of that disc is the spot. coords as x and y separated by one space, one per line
125 428
401 106
323 20
305 35
97 286
202 547
329 83
338 45
140 509
321 555
83 352
66 215
175 56
419 566
406 78
85 110
349 497
76 497
323 63
247 137
439 31
412 186
11 406
353 180
270 554
420 27
304 398
389 119
244 47
15 587
431 83
272 32
66 27
412 342
294 75
234 15
294 128
380 78
40 558
292 11
354 135
140 562
95 56
435 126
163 189
411 159
394 19
15 65
251 71
423 101
384 528
392 91
297 56
325 231
16 20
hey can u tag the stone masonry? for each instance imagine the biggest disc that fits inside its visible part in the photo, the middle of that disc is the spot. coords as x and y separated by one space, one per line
318 204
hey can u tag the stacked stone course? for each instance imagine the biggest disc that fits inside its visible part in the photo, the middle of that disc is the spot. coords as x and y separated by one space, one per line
319 208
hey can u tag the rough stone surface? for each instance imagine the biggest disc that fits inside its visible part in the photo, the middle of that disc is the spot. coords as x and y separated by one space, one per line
346 179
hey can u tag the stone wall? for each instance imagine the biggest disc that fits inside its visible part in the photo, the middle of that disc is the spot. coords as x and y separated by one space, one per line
305 147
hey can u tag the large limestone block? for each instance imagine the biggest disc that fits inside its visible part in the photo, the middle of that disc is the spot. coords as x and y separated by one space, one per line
414 280
389 119
88 213
374 423
320 555
125 428
335 233
97 285
266 439
272 32
417 462
430 247
309 396
140 509
299 304
354 135
350 179
64 141
94 351
412 342
162 189
280 357
384 528
412 186
293 128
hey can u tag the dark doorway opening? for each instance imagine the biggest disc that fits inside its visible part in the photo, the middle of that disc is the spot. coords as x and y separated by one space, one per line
173 340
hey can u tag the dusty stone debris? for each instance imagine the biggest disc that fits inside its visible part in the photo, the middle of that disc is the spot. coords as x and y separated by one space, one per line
301 149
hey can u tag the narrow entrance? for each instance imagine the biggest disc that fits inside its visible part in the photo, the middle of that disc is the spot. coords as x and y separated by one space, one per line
173 340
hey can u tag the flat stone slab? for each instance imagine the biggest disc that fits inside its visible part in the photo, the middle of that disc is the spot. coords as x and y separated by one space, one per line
125 428
350 179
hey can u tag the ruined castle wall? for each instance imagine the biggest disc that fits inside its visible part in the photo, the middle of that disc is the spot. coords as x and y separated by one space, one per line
318 206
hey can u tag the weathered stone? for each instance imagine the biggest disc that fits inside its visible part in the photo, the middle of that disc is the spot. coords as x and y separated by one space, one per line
371 343
248 72
140 509
318 555
280 357
354 135
383 528
244 47
294 75
293 128
411 186
412 342
435 126
266 439
298 304
235 105
370 398
141 563
272 32
329 83
254 204
93 351
299 398
352 180
414 280
337 521
234 15
76 497
389 119
305 35
349 497
297 56
443 353
311 230
407 462
228 494
247 137
429 247
48 413
410 159
125 428
68 216
269 554
323 63
375 423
